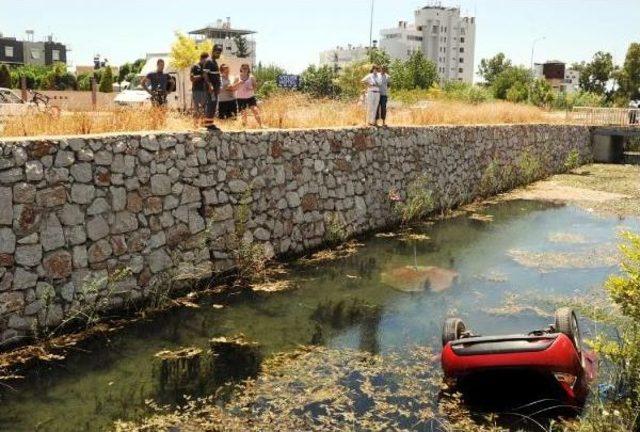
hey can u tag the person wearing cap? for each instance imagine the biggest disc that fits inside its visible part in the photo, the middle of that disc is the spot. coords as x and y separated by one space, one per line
199 87
212 80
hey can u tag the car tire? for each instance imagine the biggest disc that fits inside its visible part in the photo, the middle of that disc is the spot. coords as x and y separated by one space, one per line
452 330
566 322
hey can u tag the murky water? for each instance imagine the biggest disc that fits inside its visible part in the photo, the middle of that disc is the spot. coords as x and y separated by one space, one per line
347 303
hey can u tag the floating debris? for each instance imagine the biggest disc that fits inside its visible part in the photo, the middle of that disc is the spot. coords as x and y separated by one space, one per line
549 261
273 286
217 306
481 217
414 237
387 235
568 238
494 276
343 251
513 305
417 279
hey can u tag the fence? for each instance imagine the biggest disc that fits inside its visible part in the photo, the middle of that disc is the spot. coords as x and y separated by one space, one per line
604 116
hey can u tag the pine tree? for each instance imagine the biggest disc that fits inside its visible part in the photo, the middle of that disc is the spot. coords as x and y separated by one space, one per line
242 47
106 82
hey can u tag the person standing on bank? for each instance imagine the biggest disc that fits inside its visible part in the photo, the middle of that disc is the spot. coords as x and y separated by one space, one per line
158 84
246 87
199 88
212 79
372 95
227 104
385 83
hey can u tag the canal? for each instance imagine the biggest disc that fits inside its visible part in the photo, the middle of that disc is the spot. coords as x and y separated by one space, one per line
496 271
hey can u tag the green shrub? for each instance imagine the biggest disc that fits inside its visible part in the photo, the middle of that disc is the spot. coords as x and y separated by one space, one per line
106 81
267 89
529 167
419 201
573 160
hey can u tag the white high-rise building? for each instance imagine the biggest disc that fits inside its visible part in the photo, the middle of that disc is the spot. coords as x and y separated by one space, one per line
341 56
443 35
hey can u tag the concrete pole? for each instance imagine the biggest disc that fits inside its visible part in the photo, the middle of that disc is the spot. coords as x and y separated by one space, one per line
23 87
94 93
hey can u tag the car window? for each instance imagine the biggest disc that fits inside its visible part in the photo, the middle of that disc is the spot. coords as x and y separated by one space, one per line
9 97
12 98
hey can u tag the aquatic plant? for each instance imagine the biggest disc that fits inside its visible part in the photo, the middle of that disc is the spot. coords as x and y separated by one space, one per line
418 203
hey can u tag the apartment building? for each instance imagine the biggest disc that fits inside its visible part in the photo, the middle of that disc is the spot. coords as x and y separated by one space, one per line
341 56
442 34
21 52
558 75
221 33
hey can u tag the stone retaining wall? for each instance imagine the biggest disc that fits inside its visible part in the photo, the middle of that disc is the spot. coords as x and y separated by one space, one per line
75 211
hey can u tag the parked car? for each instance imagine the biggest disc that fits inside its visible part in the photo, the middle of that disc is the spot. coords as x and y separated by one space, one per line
11 104
133 98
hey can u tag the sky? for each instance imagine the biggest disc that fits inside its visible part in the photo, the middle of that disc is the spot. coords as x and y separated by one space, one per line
291 33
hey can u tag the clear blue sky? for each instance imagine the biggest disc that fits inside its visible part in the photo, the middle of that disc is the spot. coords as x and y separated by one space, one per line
291 33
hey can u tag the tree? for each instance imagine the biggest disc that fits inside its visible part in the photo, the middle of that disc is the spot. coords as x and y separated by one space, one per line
513 76
185 52
597 73
350 78
422 72
242 46
378 57
629 76
320 81
269 73
106 82
5 76
489 69
417 72
542 94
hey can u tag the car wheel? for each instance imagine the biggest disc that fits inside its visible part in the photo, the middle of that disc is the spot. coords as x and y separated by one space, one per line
452 330
567 323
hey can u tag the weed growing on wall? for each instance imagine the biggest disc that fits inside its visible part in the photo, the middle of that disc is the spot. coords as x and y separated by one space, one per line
529 167
418 203
572 161
490 182
335 230
250 258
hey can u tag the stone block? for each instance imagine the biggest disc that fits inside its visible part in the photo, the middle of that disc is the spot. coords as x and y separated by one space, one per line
29 255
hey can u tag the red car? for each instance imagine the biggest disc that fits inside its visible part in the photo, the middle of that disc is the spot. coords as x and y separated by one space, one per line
549 363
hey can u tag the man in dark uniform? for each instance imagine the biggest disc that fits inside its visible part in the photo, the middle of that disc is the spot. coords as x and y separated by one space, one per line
158 84
212 79
199 88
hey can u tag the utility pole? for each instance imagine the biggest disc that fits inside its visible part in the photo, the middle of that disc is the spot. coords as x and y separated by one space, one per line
533 48
371 25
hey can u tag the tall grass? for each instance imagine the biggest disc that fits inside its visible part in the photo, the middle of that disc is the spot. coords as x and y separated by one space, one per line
282 111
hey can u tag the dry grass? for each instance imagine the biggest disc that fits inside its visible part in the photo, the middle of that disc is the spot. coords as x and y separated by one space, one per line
287 111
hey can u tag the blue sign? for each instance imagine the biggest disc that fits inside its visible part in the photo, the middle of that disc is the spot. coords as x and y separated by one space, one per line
291 82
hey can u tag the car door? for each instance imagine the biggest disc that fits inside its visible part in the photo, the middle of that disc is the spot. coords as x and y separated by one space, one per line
10 104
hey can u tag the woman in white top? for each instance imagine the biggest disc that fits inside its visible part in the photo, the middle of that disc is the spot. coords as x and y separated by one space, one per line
372 99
